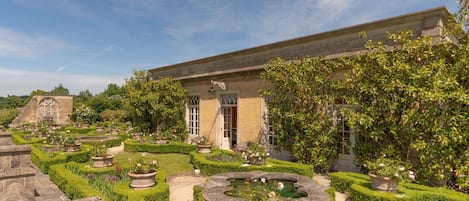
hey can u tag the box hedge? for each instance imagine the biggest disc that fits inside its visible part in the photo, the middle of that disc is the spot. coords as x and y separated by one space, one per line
210 167
172 147
74 186
159 192
358 185
198 190
44 160
17 138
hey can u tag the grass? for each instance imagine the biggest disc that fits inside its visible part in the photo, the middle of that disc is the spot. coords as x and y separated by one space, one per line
170 163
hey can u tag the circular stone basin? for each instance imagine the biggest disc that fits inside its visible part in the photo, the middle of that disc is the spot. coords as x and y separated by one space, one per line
220 186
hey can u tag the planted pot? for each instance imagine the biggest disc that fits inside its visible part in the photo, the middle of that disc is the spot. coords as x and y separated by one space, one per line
256 161
380 183
72 147
204 148
102 161
161 140
142 181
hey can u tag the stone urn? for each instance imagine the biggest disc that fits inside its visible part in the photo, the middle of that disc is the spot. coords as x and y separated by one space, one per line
143 180
102 161
204 148
380 183
72 147
256 161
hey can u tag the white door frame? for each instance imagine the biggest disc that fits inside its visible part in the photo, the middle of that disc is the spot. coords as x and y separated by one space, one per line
225 142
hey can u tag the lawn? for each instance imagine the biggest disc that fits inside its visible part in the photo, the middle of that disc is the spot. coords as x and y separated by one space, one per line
170 163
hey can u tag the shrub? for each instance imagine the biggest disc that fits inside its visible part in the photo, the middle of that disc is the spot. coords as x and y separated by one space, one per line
331 192
172 147
209 167
342 181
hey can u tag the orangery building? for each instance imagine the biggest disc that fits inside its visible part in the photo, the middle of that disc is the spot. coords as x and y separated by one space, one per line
223 99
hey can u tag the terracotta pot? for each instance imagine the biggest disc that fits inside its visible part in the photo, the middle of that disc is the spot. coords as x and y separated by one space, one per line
142 181
72 147
386 184
105 161
161 141
204 148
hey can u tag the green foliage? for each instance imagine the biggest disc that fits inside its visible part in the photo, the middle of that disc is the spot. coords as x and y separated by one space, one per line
331 193
156 106
198 190
113 115
13 102
386 167
7 116
298 106
74 186
84 114
359 187
172 147
44 160
212 167
143 166
413 98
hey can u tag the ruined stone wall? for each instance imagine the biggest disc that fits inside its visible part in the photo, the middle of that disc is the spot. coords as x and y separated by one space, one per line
55 108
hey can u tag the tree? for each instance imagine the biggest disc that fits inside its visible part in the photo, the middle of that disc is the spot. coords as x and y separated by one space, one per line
156 106
414 99
59 91
7 116
113 90
298 104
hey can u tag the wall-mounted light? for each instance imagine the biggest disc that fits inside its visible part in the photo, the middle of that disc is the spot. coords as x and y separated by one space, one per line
211 91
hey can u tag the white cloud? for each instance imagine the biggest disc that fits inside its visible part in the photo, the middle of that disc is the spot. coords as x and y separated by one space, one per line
61 68
22 82
15 44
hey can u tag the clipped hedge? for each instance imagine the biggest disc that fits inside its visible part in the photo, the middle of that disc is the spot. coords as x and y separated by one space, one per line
172 147
18 138
108 143
159 192
45 160
209 167
359 187
198 193
331 193
342 181
74 186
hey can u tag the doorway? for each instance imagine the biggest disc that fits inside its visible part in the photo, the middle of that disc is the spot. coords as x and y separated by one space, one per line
229 115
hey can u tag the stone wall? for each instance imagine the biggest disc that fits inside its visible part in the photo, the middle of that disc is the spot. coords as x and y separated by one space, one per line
17 177
55 108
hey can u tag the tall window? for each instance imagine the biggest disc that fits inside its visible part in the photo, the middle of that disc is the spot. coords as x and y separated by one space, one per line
272 137
194 117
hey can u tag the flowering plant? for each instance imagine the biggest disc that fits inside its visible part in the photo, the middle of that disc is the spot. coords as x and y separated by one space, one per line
387 167
203 141
141 166
256 153
99 149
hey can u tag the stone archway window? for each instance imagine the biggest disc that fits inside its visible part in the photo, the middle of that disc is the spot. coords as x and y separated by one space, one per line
48 109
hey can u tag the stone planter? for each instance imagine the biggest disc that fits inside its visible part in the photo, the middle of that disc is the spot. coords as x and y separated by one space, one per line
104 161
114 131
142 181
161 140
383 183
204 148
256 161
72 147
100 129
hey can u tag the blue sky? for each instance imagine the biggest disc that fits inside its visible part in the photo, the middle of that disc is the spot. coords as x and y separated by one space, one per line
86 44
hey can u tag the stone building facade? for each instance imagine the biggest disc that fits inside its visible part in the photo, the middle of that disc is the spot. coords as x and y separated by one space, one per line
56 109
223 90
